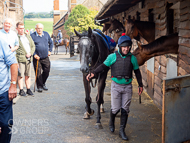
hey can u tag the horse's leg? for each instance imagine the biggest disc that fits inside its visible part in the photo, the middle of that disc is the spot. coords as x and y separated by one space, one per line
57 50
66 49
87 88
101 108
54 49
99 98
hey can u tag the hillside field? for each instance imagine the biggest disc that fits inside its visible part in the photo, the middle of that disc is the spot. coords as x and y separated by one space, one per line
47 22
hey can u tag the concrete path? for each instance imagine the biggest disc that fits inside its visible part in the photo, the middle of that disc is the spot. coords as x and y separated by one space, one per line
56 115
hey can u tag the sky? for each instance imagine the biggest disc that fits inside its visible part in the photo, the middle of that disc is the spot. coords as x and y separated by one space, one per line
43 5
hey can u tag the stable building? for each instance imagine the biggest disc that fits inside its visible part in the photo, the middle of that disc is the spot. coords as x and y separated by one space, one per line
166 78
11 9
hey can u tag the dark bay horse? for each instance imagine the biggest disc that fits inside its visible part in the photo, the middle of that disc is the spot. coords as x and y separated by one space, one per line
118 29
64 42
163 45
93 52
136 29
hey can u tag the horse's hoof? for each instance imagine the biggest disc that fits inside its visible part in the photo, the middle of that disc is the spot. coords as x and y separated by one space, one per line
98 126
86 116
102 110
92 112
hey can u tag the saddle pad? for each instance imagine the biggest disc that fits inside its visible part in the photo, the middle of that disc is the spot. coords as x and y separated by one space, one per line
104 39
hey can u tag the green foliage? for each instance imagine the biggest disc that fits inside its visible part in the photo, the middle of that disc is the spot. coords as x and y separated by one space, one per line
78 12
39 15
48 25
86 22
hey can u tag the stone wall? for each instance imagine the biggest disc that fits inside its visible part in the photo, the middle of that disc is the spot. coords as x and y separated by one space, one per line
170 16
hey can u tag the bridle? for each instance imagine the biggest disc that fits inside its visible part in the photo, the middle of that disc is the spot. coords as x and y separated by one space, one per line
92 46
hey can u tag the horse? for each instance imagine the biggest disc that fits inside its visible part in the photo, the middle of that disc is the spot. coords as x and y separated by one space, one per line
163 45
136 29
93 51
106 27
64 42
118 27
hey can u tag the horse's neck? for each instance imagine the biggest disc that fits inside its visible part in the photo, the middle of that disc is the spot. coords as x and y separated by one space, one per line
146 30
169 46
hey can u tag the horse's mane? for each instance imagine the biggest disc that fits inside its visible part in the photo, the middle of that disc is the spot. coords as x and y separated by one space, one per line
142 24
115 20
100 34
85 33
157 42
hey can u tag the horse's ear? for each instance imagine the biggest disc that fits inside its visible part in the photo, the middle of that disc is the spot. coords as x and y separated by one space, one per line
89 32
139 45
77 33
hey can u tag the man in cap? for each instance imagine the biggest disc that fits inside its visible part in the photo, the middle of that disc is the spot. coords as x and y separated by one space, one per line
122 63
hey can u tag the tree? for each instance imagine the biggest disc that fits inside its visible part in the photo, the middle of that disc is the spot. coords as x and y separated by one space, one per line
30 15
39 15
78 12
85 22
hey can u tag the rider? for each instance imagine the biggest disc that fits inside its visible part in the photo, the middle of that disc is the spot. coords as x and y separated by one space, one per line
122 64
59 37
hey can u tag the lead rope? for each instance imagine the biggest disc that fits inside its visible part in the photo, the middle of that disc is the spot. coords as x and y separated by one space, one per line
93 87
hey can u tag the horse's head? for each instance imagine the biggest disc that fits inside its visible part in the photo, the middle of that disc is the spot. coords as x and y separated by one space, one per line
86 48
130 29
116 35
140 55
116 26
116 29
106 27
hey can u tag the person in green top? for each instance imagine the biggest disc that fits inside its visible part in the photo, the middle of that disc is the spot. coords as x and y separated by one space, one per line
24 57
122 63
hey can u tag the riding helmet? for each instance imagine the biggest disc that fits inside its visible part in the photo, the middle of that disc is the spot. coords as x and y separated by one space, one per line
124 41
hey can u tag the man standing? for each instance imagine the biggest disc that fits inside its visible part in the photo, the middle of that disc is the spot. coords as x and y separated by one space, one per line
59 37
7 90
24 57
42 52
9 36
122 64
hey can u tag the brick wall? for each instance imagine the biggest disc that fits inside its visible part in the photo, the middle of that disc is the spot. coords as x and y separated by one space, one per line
55 32
56 4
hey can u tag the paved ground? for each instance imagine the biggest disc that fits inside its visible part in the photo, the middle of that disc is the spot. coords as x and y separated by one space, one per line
56 115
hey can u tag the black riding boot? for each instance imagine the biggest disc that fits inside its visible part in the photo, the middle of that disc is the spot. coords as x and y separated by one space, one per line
112 121
123 122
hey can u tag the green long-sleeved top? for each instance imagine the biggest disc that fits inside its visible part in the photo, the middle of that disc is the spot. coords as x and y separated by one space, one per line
111 59
21 52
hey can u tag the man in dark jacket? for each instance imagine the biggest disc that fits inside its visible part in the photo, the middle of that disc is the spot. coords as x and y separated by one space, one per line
122 63
44 46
